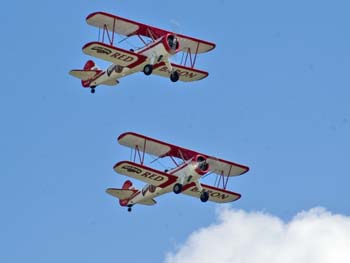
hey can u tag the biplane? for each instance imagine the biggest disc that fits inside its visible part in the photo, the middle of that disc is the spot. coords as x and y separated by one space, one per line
189 167
153 57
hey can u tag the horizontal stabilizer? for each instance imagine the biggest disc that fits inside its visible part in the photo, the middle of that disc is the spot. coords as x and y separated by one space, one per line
121 193
110 82
84 74
148 202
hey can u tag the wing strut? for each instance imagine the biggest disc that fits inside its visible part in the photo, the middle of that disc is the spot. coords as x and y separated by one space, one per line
182 157
189 56
143 41
114 33
173 159
105 29
222 176
151 34
137 153
143 153
195 56
109 35
227 177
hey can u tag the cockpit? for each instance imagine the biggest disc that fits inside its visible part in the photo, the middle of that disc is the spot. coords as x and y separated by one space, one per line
173 43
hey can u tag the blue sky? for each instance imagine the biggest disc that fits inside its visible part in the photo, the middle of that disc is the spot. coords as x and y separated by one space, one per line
276 99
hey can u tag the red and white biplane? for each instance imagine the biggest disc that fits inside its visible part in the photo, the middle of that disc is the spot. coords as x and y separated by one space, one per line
158 46
190 167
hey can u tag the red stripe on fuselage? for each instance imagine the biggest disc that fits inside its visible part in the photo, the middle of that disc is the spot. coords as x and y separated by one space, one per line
88 82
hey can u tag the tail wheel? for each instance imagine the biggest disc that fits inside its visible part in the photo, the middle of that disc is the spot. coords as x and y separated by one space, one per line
92 89
177 188
204 196
174 76
148 69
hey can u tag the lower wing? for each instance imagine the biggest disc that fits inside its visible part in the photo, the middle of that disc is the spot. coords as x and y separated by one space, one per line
145 174
217 195
114 54
185 73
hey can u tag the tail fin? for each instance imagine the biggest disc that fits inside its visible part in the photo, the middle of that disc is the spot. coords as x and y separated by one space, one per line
86 74
89 66
123 194
127 184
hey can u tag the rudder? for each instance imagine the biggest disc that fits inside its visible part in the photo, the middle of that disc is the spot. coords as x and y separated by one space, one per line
89 65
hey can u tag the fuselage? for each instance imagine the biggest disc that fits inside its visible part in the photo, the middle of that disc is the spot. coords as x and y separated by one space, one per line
157 51
188 172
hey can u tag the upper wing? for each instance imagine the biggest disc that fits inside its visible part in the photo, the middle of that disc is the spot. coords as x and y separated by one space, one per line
128 27
163 149
113 23
226 168
144 173
217 195
194 45
185 73
144 144
114 54
154 146
84 74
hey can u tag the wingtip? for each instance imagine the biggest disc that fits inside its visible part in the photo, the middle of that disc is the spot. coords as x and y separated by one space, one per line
121 136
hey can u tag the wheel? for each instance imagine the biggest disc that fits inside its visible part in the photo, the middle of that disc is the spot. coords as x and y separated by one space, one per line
177 188
174 76
92 89
148 69
204 196
129 209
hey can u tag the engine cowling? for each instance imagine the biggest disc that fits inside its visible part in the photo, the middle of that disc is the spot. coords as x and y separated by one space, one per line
171 43
200 162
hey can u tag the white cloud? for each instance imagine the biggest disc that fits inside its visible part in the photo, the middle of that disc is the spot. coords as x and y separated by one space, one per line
314 236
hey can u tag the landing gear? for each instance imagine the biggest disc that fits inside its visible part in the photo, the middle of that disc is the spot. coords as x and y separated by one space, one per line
204 196
177 188
174 76
92 89
129 208
148 69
